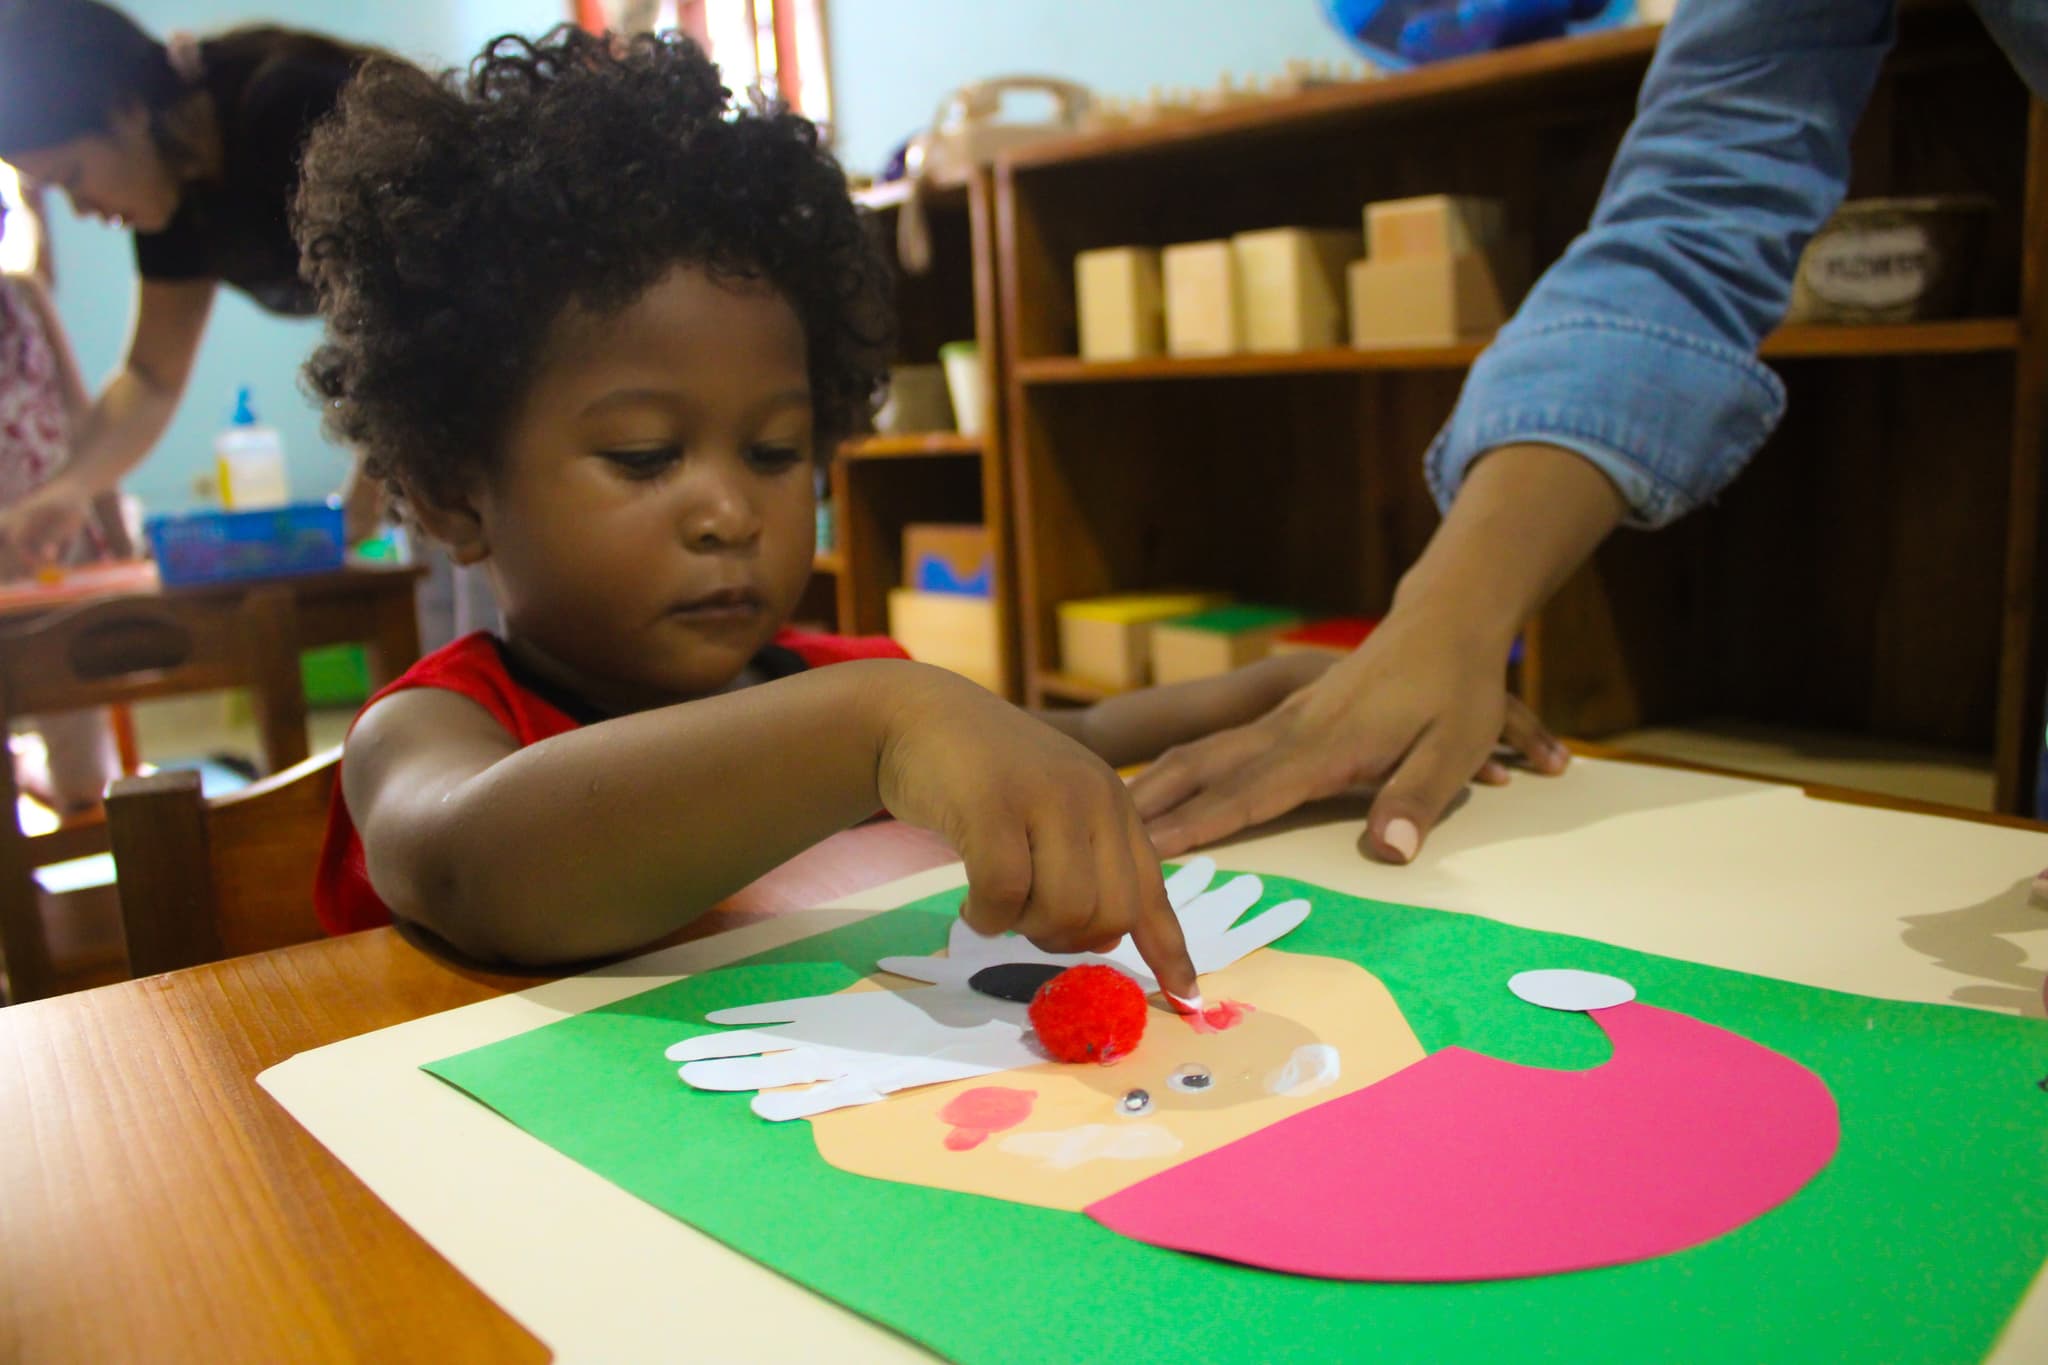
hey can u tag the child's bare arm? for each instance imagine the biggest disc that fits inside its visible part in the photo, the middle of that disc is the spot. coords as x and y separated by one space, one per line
607 837
1139 726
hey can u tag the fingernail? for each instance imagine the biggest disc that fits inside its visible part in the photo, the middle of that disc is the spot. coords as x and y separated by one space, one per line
1186 1005
1402 837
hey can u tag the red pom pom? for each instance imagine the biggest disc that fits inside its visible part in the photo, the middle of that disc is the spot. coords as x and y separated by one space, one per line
1089 1013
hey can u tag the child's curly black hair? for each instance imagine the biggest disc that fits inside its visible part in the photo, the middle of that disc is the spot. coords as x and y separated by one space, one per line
447 222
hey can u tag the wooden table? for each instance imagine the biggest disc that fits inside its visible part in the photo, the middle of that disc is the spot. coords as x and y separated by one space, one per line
154 1204
365 603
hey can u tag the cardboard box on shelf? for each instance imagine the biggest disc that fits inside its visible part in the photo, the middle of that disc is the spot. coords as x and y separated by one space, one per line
957 559
1291 283
1203 310
1107 640
1216 641
948 630
1119 303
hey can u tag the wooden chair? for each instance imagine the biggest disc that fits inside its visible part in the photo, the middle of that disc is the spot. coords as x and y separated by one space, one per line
126 649
201 880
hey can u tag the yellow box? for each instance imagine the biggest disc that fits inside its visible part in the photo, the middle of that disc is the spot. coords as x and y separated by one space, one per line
1119 303
1203 312
1291 285
948 631
1107 640
1216 641
1435 300
1433 225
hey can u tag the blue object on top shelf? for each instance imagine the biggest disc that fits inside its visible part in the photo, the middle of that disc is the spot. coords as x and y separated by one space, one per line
1403 33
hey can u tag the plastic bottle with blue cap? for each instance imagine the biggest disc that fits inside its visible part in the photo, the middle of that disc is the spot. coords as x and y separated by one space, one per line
249 459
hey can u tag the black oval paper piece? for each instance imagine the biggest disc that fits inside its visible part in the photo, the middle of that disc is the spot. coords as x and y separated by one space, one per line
1017 981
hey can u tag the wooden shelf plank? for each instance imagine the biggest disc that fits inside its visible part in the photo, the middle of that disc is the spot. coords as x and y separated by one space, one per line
1963 337
910 445
829 562
1561 64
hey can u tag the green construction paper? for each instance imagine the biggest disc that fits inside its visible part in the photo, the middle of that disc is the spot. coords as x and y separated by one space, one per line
1915 1245
1237 619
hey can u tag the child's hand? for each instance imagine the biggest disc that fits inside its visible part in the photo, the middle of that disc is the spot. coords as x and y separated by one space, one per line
36 529
1053 846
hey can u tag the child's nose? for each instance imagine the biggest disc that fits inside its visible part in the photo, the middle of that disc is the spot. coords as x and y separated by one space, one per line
719 514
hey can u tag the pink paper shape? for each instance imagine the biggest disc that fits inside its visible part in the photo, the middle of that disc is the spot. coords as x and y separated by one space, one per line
1466 1167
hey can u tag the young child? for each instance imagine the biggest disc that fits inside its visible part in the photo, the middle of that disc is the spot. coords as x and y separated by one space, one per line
596 329
41 399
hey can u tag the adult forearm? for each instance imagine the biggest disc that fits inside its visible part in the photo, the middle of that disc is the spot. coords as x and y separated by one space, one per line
122 426
1526 517
608 837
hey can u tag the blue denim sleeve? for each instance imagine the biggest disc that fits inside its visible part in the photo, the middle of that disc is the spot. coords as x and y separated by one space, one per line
1638 348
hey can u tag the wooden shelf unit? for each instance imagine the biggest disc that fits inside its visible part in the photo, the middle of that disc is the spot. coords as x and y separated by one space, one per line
910 445
1875 574
882 483
1963 337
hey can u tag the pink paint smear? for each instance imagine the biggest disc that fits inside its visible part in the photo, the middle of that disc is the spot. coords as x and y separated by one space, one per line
976 1113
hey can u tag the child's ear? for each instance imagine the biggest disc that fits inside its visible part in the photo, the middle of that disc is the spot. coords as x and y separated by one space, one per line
451 520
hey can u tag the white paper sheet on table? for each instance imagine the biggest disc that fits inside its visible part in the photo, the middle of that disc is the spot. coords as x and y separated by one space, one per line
1736 874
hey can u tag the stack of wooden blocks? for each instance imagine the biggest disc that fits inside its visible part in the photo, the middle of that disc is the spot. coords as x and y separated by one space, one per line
1433 271
1132 640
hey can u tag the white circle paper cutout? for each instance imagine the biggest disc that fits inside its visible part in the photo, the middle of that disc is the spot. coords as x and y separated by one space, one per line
1561 988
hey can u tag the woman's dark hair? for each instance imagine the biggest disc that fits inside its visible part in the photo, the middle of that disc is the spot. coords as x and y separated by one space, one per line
447 224
67 65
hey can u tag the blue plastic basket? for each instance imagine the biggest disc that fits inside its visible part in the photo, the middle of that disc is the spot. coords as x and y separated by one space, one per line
230 547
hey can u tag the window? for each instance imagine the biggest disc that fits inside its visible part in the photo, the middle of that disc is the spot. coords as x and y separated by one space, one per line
776 46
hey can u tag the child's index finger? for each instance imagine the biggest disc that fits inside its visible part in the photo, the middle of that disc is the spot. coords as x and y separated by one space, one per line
1156 934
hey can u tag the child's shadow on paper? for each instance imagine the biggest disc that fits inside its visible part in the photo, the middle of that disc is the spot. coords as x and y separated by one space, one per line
1977 941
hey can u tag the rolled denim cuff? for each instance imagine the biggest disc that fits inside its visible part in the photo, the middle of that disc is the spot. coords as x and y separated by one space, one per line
1670 417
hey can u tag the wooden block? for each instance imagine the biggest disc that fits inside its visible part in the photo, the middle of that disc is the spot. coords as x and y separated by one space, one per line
949 558
1202 309
1338 635
1433 225
1107 640
1291 285
1216 641
948 631
1435 300
1119 303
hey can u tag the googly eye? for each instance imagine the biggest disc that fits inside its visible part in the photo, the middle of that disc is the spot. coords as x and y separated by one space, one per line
1134 1103
1191 1079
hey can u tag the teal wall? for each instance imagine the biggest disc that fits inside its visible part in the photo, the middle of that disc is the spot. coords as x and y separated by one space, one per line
96 273
894 60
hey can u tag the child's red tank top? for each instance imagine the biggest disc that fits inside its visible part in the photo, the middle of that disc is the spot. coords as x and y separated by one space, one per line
476 667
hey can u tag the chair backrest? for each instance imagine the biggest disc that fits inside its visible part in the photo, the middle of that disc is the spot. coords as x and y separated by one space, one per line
202 880
125 649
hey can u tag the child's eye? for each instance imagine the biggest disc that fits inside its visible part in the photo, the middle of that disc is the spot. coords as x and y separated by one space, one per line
643 462
774 458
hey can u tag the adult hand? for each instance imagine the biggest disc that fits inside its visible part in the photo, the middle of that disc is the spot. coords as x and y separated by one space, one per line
1054 848
1417 710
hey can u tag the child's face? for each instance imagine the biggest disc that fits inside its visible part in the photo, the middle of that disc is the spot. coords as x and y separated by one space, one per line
652 523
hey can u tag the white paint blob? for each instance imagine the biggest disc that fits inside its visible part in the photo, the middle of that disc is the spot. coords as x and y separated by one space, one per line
1063 1149
1311 1067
